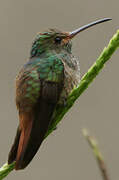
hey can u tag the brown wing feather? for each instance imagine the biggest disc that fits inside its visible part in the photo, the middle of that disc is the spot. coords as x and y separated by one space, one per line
26 120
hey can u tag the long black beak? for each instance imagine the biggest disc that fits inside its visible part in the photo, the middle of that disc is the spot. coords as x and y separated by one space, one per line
75 32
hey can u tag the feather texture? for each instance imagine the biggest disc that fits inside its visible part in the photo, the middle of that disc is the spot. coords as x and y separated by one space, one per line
44 81
38 88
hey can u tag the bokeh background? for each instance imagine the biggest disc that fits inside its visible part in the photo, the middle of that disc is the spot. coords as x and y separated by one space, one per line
65 154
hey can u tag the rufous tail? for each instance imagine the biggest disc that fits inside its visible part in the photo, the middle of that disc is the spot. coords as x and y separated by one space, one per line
30 136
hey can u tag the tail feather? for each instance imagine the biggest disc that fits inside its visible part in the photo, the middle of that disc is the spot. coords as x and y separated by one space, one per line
32 135
13 151
23 142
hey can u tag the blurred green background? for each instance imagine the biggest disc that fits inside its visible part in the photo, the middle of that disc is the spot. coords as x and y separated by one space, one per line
64 154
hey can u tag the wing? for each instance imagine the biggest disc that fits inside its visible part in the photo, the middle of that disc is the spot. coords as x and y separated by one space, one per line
39 77
38 88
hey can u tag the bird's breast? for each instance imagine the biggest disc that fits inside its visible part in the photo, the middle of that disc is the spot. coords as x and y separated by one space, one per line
71 76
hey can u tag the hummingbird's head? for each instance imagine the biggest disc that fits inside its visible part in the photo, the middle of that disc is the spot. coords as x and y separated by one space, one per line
57 40
52 39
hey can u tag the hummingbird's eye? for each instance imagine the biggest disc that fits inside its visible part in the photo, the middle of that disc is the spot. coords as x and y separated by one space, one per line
58 40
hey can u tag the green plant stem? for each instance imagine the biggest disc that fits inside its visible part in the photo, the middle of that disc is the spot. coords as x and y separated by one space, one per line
83 85
100 160
6 169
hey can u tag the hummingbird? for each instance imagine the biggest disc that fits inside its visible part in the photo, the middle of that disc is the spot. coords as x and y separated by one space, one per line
46 80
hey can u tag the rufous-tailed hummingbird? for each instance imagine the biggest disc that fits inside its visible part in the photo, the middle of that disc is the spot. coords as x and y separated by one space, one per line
44 81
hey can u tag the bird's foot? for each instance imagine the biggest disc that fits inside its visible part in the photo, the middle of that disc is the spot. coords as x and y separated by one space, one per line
63 102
